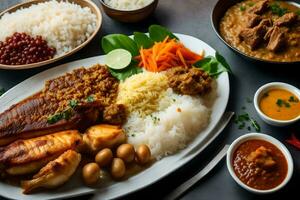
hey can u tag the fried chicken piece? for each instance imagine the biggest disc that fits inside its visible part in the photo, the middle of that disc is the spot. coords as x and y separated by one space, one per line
55 173
27 156
103 136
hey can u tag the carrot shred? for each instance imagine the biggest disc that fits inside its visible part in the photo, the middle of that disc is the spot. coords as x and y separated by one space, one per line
166 54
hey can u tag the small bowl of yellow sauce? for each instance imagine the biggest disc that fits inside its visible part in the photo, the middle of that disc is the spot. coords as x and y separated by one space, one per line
278 103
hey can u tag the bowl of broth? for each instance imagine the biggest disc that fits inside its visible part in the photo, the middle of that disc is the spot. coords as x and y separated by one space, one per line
278 103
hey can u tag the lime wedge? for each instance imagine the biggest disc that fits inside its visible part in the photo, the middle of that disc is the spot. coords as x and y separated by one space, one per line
118 59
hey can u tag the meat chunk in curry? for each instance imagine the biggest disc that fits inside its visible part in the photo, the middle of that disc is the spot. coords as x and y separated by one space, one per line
262 158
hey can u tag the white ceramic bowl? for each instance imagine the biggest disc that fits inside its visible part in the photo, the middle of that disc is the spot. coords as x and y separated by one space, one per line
267 138
267 87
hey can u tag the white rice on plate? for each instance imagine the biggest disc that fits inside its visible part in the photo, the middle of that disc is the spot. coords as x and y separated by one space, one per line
175 121
63 25
179 120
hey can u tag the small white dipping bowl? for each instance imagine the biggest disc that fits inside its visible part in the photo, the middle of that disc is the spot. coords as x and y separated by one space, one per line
267 87
259 136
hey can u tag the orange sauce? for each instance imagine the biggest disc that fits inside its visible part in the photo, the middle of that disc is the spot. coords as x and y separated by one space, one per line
280 104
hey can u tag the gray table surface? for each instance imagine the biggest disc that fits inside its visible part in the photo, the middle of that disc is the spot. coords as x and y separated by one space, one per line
192 17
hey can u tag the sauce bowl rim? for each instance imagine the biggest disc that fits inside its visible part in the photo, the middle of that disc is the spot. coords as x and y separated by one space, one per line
260 136
272 85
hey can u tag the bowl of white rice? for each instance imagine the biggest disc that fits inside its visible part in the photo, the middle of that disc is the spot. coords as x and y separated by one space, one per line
129 11
67 26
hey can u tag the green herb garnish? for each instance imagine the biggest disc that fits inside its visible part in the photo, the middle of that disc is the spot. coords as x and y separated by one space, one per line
2 91
277 10
242 8
281 103
66 114
293 99
54 118
244 120
73 103
255 125
298 12
90 99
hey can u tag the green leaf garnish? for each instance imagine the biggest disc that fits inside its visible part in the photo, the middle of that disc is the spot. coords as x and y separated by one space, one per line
242 8
214 66
126 72
142 40
90 99
159 33
255 125
54 118
298 12
279 102
277 10
119 41
73 103
293 99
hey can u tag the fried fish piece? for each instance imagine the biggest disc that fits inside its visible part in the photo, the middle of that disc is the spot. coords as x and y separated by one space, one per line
92 88
103 136
55 173
28 156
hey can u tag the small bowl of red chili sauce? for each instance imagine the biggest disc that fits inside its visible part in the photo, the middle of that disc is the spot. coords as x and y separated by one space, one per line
259 163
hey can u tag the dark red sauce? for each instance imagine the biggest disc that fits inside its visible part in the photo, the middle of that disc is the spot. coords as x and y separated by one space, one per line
259 164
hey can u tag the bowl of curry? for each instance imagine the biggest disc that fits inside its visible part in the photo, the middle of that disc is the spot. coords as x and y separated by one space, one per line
259 163
278 103
260 30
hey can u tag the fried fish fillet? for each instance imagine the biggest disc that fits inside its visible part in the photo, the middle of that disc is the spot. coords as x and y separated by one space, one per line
28 119
27 156
103 136
92 89
55 173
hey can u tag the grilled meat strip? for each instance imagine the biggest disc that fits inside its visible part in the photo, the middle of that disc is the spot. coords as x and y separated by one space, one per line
91 89
55 173
27 156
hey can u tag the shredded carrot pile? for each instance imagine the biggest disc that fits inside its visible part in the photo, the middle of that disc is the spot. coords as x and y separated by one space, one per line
167 54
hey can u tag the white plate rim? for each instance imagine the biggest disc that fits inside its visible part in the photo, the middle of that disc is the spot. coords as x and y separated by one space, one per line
9 98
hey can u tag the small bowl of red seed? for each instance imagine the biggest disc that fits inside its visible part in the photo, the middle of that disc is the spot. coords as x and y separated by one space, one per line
22 49
37 33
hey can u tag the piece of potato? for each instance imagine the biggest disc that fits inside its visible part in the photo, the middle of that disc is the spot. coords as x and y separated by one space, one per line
103 136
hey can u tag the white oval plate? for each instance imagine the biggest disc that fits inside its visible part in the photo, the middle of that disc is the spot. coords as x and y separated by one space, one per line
157 171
